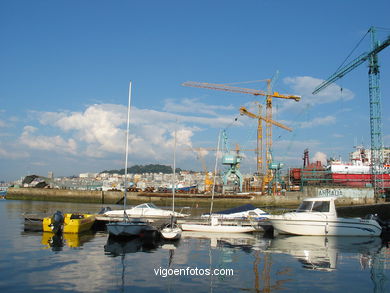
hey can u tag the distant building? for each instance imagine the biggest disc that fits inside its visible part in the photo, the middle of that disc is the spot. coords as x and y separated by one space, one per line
88 175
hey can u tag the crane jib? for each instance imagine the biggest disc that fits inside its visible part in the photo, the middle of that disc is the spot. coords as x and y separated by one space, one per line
350 66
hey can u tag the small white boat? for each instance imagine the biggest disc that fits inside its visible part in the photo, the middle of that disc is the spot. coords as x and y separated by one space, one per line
171 232
145 210
317 216
216 226
131 228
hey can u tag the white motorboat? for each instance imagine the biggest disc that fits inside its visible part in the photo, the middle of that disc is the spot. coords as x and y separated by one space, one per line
145 210
317 216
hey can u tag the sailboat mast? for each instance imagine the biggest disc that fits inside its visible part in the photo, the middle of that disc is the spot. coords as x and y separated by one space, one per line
215 174
174 176
127 151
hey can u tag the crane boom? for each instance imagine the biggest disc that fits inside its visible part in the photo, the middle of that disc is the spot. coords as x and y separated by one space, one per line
244 111
227 88
350 66
375 104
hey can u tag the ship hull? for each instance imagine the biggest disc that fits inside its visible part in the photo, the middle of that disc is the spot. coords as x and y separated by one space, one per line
359 180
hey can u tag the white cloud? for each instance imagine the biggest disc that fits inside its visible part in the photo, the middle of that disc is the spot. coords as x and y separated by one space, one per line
48 143
100 130
320 156
319 121
305 85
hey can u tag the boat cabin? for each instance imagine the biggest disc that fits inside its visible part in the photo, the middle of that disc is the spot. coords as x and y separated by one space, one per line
318 205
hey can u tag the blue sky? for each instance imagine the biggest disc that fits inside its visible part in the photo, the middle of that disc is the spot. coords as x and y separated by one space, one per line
66 65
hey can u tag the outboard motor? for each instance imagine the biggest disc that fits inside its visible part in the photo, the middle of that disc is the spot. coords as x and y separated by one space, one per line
57 222
376 218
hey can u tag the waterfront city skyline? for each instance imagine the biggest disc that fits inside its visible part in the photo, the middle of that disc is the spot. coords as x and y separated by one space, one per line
66 66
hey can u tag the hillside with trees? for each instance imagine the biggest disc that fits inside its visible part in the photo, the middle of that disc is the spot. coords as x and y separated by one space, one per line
140 169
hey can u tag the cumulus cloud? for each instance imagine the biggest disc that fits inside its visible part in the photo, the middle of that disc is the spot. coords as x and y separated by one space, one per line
319 156
305 85
48 143
100 130
319 121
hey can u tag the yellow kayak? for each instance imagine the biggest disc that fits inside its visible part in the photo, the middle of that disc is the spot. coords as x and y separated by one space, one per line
68 223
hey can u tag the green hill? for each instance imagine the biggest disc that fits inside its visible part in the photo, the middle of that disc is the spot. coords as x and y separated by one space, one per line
139 169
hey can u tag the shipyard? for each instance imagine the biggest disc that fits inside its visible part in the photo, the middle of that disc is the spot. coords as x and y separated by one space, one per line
198 146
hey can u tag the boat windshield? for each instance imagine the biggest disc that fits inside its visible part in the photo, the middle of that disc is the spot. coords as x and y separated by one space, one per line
152 206
314 206
305 206
321 206
146 206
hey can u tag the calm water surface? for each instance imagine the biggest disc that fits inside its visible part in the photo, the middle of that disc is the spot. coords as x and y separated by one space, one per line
39 262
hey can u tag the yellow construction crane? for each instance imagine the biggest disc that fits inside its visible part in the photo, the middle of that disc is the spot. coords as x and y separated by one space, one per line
222 87
268 94
268 177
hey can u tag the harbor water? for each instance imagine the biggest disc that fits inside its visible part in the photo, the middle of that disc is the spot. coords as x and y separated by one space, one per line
91 262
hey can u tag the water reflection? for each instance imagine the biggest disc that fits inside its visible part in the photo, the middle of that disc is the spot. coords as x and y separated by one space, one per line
72 240
321 252
260 264
244 241
118 247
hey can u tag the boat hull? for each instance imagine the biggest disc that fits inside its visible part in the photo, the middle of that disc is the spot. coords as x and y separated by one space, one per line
217 228
73 223
359 180
338 227
126 229
171 233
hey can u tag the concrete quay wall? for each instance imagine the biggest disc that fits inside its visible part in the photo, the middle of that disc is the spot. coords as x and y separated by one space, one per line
290 199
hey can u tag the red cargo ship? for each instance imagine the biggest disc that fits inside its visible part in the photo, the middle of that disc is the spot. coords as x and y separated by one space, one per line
358 173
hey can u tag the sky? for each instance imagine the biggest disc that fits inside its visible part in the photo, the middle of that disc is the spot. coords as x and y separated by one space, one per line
66 67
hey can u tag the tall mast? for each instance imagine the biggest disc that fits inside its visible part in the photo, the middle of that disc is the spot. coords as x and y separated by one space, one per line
127 153
174 176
